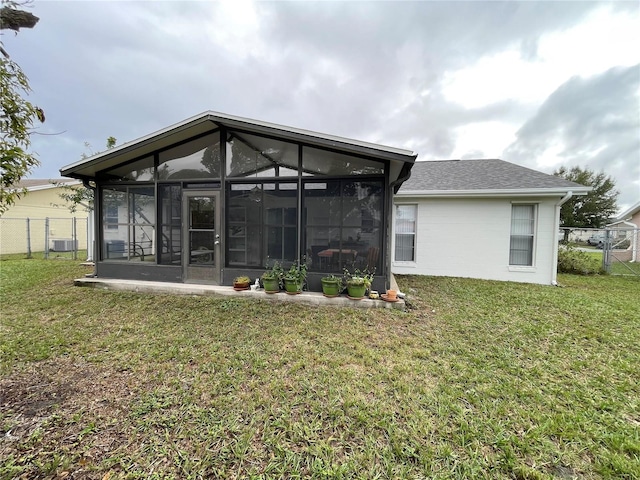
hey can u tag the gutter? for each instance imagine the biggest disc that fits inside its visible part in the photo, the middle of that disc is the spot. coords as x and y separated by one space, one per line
556 227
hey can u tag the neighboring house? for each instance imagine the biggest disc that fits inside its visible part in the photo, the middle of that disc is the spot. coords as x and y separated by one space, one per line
629 222
42 200
42 206
486 219
218 196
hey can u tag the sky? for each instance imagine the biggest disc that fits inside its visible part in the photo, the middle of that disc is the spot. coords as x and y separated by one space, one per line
541 84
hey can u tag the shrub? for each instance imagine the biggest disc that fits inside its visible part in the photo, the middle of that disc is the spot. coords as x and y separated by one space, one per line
575 261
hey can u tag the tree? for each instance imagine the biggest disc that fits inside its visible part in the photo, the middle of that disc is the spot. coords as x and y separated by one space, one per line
76 197
17 115
593 209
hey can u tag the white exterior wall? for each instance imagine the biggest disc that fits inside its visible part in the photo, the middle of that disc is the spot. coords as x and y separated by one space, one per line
470 238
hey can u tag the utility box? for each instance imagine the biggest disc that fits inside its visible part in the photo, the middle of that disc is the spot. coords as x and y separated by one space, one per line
63 245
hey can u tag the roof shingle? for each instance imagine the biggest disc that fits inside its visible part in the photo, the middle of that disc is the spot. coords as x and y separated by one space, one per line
474 175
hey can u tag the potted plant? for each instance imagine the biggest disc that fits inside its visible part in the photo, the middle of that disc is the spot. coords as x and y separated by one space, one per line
331 285
294 279
357 282
271 278
241 283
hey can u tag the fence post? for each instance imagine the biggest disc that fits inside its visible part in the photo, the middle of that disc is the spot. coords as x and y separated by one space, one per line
606 252
74 238
28 239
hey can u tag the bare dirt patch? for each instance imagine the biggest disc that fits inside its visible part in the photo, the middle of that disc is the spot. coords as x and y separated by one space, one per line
65 411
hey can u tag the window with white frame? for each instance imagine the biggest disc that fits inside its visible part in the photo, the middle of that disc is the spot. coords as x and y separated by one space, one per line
405 228
523 220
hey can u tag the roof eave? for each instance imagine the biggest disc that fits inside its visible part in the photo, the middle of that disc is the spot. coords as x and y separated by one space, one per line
54 185
209 121
629 213
514 192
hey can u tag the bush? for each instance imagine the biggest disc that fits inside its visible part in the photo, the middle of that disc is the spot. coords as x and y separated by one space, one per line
575 261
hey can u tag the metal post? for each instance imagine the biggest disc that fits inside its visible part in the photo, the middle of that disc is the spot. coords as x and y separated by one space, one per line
606 252
28 239
46 238
74 237
89 237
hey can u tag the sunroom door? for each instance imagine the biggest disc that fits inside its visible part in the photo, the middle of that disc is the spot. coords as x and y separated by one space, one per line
202 237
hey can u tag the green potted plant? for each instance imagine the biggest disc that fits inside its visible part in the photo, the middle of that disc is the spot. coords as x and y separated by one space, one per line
241 283
357 282
294 279
271 278
331 285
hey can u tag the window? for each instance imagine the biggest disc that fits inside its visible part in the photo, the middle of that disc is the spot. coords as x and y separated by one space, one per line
522 235
255 156
262 223
138 171
324 162
343 224
131 238
405 250
111 216
199 158
170 225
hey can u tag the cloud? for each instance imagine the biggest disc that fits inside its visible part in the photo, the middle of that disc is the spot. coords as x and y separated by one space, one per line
589 122
376 71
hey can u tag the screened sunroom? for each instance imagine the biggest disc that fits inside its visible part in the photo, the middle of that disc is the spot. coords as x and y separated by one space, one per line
218 196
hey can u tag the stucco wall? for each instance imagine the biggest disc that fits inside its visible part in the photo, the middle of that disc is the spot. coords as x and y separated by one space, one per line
471 237
37 206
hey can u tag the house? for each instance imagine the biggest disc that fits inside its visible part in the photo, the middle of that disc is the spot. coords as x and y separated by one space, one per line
217 196
41 199
486 219
40 216
628 223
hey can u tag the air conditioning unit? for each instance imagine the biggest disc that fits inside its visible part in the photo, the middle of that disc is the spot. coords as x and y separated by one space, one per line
63 245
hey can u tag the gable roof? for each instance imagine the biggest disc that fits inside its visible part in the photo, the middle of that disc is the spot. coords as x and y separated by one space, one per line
482 178
630 212
34 184
208 122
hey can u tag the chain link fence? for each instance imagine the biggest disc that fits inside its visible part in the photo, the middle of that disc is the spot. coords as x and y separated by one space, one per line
617 248
44 237
620 251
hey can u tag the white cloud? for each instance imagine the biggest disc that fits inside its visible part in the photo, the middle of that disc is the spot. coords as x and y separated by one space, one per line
604 39
491 138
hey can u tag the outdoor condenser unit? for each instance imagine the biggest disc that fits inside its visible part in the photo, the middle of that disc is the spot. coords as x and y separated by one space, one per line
62 245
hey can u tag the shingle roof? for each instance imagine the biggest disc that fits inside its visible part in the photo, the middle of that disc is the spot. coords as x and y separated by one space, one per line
479 175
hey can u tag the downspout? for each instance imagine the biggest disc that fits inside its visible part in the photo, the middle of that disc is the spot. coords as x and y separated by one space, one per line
91 242
394 186
554 263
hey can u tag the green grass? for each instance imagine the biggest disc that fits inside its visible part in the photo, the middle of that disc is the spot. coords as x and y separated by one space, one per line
478 380
617 267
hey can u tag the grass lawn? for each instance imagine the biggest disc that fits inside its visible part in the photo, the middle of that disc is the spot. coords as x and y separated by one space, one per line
478 380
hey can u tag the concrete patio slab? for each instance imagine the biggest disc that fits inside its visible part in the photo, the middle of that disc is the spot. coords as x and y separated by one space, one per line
306 298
